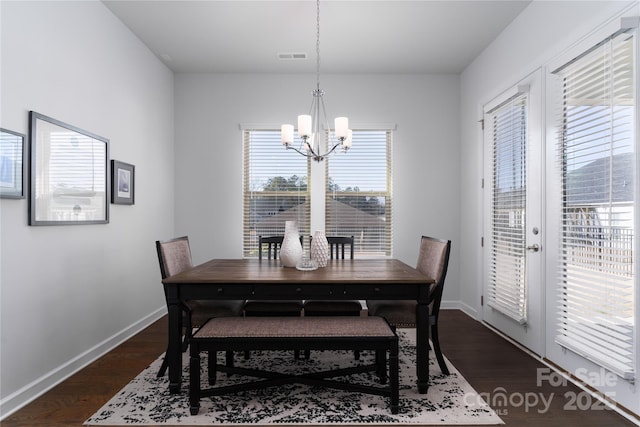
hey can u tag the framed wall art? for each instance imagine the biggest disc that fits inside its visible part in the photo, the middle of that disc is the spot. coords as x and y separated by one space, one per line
69 174
122 183
12 160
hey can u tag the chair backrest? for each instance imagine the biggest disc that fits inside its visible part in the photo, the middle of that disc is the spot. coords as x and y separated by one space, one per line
272 242
337 244
433 261
174 256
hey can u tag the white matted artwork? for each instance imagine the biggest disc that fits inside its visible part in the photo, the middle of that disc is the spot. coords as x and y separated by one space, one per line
123 185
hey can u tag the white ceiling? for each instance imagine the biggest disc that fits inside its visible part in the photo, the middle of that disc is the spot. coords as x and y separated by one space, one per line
360 36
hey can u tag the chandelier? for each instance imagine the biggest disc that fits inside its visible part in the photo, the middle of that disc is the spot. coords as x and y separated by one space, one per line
313 128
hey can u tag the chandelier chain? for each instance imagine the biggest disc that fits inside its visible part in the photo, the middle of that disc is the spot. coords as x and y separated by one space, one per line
318 43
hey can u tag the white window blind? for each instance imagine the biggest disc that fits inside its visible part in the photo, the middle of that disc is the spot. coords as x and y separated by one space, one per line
275 188
507 279
358 193
599 159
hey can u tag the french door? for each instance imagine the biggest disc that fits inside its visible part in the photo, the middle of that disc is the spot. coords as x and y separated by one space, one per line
513 286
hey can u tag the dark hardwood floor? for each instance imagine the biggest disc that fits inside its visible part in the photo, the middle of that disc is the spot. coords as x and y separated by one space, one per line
492 365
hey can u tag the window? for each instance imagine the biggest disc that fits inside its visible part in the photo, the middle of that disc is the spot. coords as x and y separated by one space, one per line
358 193
507 127
598 154
275 189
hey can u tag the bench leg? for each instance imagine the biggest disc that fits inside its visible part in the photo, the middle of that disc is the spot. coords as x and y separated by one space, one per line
394 380
381 363
194 379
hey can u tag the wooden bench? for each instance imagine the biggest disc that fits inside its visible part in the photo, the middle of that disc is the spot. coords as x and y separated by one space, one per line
296 333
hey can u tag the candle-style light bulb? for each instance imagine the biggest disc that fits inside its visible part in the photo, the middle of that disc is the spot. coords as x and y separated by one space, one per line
286 134
342 127
304 125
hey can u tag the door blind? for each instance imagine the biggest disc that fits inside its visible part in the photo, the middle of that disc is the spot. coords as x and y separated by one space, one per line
507 270
275 188
599 159
358 193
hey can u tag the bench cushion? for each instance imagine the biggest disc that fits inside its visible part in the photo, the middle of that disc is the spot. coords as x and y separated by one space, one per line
291 327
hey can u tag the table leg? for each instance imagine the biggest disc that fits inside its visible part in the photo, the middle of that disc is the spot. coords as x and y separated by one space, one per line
174 351
422 347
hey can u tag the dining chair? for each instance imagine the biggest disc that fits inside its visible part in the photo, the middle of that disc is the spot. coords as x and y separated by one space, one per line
174 256
271 308
337 246
433 261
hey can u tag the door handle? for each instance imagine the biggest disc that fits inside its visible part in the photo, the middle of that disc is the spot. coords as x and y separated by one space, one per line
533 248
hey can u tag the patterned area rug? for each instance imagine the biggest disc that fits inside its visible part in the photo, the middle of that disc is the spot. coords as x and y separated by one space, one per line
451 400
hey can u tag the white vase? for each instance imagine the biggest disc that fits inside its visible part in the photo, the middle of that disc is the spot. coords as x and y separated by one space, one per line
291 249
320 249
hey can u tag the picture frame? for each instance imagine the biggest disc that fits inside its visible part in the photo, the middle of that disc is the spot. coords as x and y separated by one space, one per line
122 183
12 164
69 174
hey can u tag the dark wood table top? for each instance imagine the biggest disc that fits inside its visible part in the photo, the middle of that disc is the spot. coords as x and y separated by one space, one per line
383 271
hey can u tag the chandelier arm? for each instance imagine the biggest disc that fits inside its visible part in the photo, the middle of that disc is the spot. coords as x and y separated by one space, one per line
289 147
336 145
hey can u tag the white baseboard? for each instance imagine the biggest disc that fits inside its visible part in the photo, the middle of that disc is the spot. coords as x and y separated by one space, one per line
459 305
30 392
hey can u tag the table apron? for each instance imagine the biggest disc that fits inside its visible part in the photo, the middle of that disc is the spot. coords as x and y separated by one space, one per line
296 291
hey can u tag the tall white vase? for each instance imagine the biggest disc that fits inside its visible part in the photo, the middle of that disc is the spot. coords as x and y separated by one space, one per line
320 249
291 249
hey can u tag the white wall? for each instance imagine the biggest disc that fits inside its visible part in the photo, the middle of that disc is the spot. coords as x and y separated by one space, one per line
209 109
541 32
69 293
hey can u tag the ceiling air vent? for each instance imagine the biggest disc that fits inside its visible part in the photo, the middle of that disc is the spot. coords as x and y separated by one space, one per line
292 55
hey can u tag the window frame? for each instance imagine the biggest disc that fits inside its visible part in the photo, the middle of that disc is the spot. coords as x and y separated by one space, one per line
316 196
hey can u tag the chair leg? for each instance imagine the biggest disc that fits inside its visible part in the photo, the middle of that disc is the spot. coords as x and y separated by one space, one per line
194 381
185 345
394 381
436 349
163 367
212 366
187 335
381 362
230 362
229 359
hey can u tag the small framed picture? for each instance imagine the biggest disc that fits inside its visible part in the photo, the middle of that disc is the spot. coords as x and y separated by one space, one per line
12 160
123 183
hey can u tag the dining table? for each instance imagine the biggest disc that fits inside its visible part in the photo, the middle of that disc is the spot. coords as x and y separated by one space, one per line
244 279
